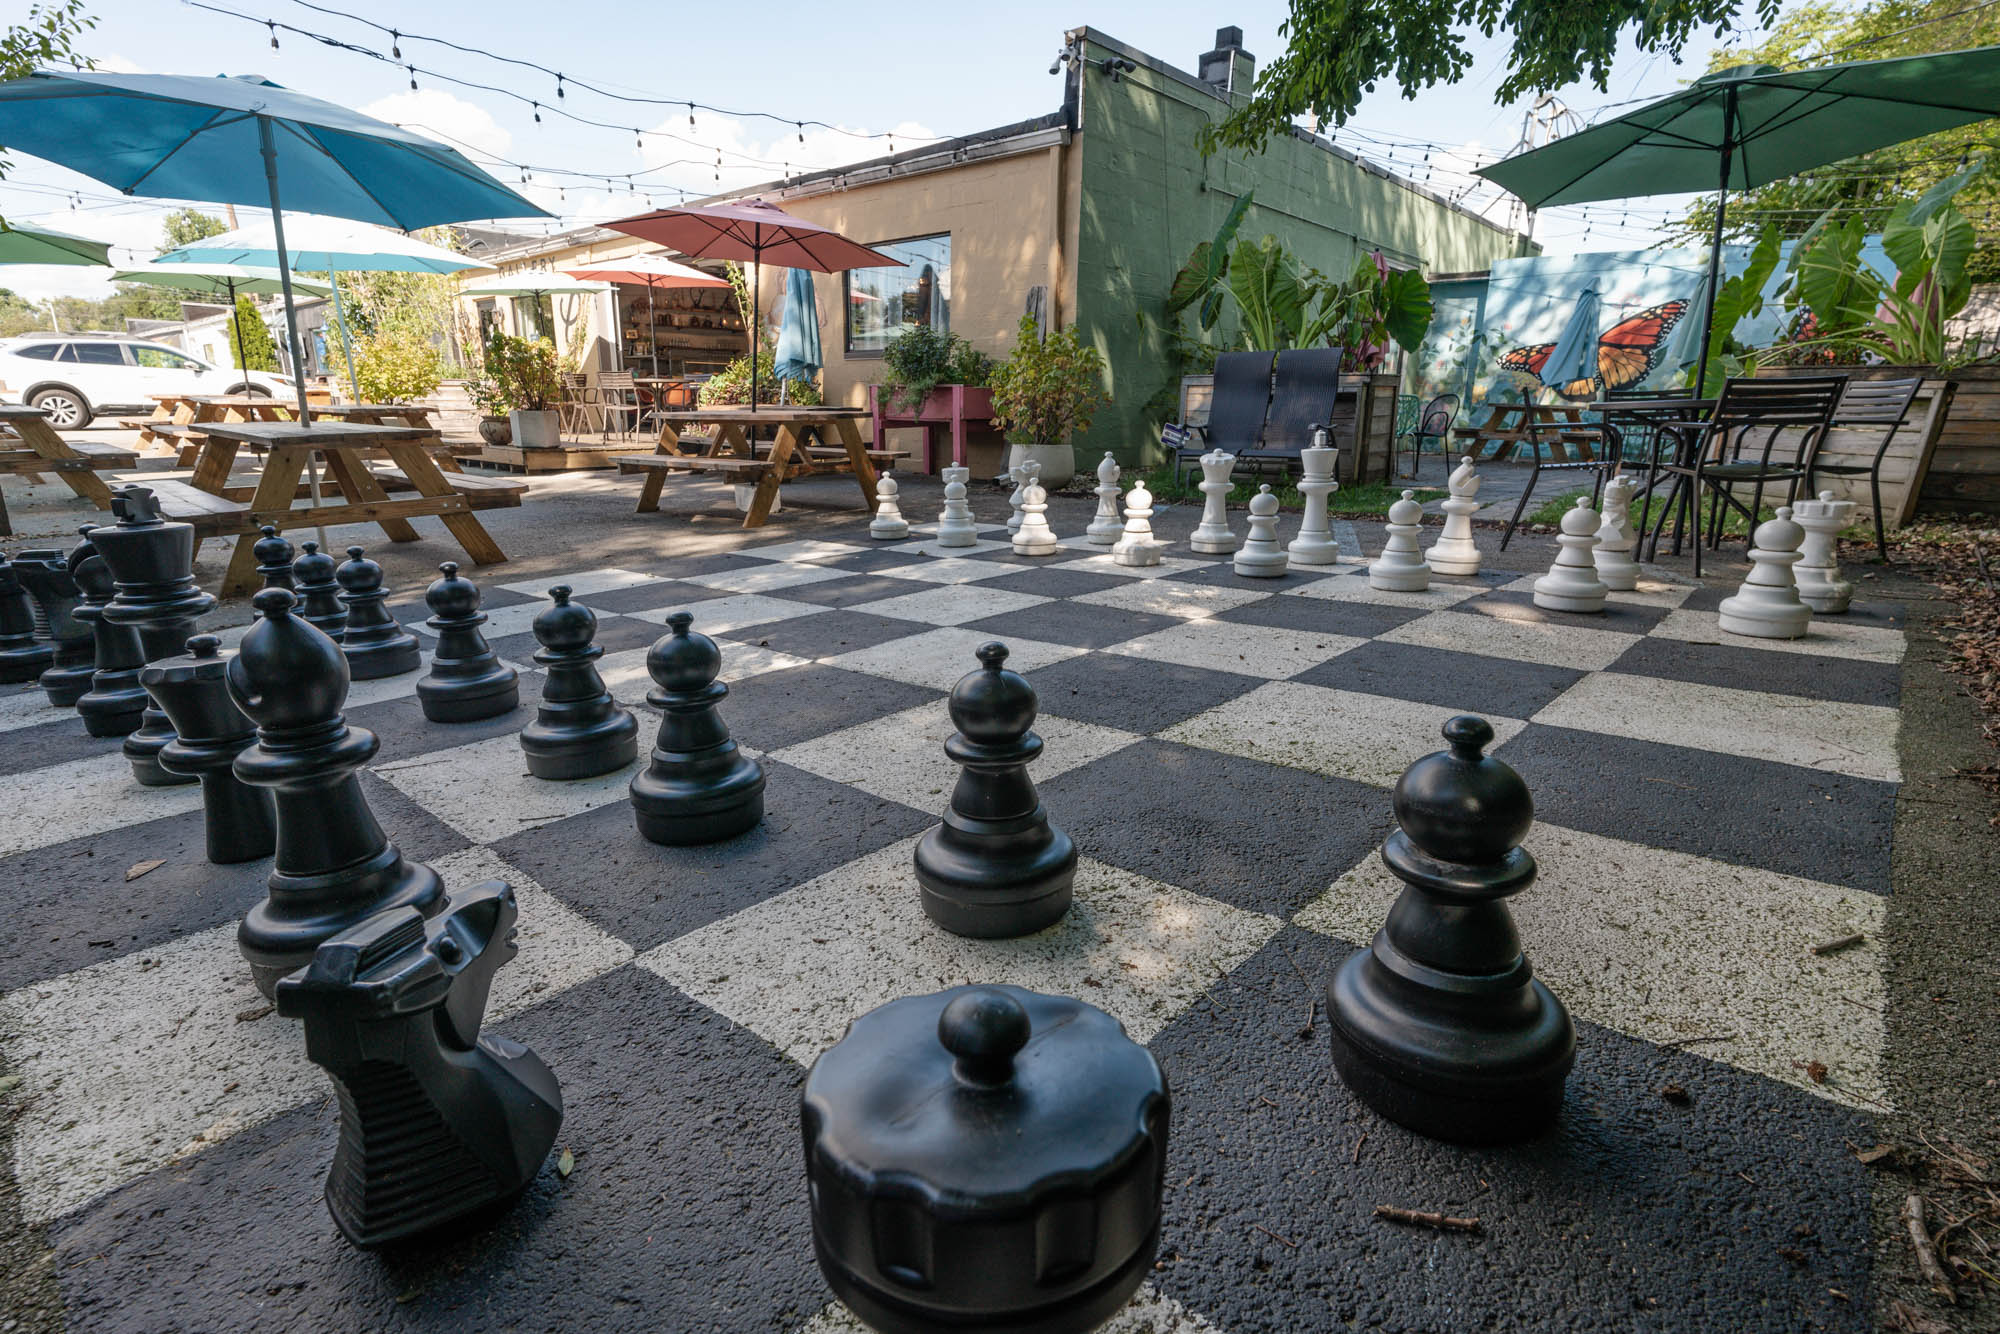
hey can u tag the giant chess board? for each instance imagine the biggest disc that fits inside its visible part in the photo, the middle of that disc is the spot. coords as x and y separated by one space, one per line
1222 750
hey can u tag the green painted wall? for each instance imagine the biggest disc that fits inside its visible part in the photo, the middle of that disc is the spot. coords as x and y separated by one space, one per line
1147 196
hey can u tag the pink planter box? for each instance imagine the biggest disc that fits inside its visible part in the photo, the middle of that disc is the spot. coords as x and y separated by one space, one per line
955 406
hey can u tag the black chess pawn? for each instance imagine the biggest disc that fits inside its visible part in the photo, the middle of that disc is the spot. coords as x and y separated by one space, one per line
985 1159
45 574
579 731
698 787
467 680
1440 1024
22 657
210 731
115 704
274 558
375 645
335 867
441 1125
153 563
319 592
995 866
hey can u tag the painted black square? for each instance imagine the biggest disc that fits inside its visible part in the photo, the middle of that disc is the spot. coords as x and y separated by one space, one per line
850 592
1133 694
1327 616
828 633
1078 623
885 557
1223 572
1518 604
1465 682
1054 582
403 730
715 562
614 634
56 741
661 594
1810 675
776 709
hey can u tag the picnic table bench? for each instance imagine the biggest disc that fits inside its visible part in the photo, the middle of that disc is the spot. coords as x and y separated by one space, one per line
29 447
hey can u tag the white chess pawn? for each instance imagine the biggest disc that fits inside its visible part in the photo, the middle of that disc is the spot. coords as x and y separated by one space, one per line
1454 552
1572 583
1212 536
1137 546
955 526
1034 537
1615 538
1401 568
888 523
1818 570
1261 557
1767 606
1315 545
1107 527
1019 475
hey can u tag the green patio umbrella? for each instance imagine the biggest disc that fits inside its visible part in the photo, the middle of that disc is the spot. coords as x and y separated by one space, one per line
34 245
227 281
1740 128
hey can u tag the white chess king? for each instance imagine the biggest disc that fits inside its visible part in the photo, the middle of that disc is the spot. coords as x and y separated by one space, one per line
1454 552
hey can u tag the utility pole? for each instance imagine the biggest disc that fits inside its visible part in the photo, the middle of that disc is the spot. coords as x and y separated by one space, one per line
229 212
55 325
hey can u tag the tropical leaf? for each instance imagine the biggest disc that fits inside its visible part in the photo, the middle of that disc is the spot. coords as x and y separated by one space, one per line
1406 307
1206 267
1269 297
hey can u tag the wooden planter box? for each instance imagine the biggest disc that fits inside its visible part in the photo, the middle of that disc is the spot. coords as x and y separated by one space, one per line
957 408
1964 476
1913 460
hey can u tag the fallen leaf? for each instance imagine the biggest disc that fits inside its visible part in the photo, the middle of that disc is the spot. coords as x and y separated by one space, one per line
1816 1071
566 1164
138 869
1881 1153
253 1014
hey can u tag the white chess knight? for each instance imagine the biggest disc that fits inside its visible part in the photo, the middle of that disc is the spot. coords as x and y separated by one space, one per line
1260 556
1315 545
1106 528
888 523
1615 537
1767 606
1454 552
1212 536
1137 546
1818 570
1034 537
955 526
1572 583
1401 567
1018 474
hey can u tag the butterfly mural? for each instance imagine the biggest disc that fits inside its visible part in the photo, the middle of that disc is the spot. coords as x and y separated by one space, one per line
1626 352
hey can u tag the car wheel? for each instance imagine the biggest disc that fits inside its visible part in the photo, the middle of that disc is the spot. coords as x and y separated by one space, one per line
250 390
67 409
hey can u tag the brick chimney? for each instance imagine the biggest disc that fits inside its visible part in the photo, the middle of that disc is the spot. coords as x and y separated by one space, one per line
1229 67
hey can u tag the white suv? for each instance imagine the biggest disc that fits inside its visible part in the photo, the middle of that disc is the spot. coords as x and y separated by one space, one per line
74 377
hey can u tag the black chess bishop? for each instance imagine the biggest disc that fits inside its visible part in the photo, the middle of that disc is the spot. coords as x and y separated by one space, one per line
467 680
45 574
374 644
995 866
152 562
579 731
210 732
319 592
697 787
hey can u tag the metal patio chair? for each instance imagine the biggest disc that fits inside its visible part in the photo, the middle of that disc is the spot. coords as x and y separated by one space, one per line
1869 403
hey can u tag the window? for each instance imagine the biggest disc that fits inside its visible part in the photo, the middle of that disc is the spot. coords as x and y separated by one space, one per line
39 351
534 317
162 359
882 303
96 354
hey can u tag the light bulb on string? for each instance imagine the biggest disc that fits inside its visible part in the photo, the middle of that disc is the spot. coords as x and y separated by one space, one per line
690 115
802 131
395 45
559 85
413 76
538 111
274 34
639 138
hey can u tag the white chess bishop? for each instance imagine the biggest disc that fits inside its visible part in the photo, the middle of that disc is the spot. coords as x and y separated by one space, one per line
1572 583
1260 556
1454 552
1137 546
1034 537
888 524
1107 527
1315 545
1615 538
1818 570
1211 536
955 526
1401 567
1767 606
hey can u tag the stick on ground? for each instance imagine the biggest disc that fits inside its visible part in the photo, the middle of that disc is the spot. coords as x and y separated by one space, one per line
1422 1218
1927 1261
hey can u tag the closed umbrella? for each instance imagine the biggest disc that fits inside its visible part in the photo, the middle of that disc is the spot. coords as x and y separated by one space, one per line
224 281
1690 336
1740 128
1574 356
798 330
34 245
750 229
650 272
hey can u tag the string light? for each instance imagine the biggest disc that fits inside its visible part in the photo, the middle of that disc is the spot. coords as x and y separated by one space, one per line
538 111
559 85
413 77
395 45
274 35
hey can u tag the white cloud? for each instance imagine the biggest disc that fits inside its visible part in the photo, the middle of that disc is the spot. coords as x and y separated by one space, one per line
436 114
778 152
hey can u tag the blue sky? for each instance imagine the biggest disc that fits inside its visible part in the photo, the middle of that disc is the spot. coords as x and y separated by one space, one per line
918 72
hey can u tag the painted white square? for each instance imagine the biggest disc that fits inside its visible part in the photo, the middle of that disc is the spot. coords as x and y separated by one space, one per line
901 756
950 565
1552 643
798 968
765 578
1829 636
83 797
1248 650
953 604
1667 947
805 549
1368 738
514 620
1149 1312
1171 597
1353 586
625 675
485 792
1857 739
718 616
938 658
582 583
28 706
1106 564
1656 588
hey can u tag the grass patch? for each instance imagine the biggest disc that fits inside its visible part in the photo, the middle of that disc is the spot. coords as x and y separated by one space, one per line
1369 500
1549 514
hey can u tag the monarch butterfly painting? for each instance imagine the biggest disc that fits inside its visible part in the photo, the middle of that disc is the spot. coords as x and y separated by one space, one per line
1626 352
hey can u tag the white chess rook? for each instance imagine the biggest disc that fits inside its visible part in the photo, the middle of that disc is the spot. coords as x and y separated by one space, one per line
1615 538
1034 537
1211 536
1138 547
1572 583
1261 557
1019 475
1455 552
1767 606
1315 545
888 524
1818 570
1401 567
955 526
1107 527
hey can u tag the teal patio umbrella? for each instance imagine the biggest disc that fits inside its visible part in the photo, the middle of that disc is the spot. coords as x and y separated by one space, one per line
38 245
178 136
225 282
1740 128
798 354
1574 356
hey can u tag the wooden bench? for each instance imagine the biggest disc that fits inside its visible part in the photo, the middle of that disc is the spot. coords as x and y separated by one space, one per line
212 516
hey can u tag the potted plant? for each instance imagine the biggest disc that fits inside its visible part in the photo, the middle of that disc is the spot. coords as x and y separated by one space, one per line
522 381
1042 393
922 361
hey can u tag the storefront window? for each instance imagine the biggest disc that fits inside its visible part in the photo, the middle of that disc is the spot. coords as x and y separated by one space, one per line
882 303
534 317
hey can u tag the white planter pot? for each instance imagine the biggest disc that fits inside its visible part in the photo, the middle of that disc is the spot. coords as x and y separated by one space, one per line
1058 462
745 493
535 430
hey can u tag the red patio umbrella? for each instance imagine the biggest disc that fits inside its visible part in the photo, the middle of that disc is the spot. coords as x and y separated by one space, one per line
754 230
653 271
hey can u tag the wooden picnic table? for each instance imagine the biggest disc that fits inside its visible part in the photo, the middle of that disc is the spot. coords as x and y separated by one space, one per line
29 447
289 447
731 453
1511 425
376 414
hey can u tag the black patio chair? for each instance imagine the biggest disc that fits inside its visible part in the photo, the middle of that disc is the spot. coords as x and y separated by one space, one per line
1869 403
1616 449
1303 390
1433 423
1761 433
1236 410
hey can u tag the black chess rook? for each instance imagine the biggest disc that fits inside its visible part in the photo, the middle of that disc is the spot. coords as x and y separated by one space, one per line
375 645
579 731
467 680
210 732
152 562
698 786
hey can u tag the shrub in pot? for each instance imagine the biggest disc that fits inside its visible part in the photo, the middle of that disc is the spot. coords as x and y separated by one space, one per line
1046 390
521 380
922 358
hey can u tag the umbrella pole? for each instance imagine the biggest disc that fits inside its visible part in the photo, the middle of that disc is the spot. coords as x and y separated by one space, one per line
652 331
1715 242
236 319
346 343
756 319
270 150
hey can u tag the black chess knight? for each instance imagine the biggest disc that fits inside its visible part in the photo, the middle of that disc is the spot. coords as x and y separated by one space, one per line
698 787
